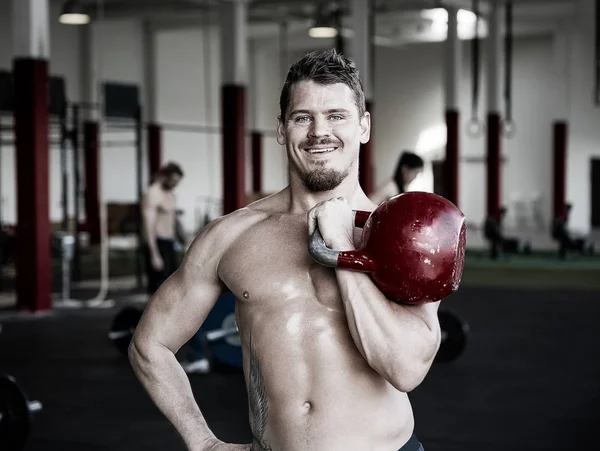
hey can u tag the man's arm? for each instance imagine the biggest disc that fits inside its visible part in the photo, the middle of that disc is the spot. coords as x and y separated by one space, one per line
172 316
398 341
150 215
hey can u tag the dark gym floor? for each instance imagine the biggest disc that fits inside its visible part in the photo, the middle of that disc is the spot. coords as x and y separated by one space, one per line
528 380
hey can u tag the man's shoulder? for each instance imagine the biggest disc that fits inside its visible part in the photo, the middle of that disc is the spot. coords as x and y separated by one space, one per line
240 219
225 230
154 191
229 227
275 203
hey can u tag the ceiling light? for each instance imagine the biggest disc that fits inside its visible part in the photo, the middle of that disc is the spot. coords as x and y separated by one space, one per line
73 13
322 32
440 15
324 25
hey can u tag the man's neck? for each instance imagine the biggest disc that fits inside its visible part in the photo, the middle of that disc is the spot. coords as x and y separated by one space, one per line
301 200
162 187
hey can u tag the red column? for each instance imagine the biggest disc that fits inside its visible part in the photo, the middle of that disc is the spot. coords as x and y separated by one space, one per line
452 151
365 159
257 162
154 148
92 169
234 136
493 165
34 269
559 151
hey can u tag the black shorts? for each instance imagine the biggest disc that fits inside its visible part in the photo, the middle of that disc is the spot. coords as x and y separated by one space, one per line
412 445
166 248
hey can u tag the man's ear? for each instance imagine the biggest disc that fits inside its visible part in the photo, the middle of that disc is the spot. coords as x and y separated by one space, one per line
280 132
365 127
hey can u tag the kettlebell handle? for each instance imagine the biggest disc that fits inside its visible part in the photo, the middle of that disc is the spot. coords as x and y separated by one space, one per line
356 260
360 217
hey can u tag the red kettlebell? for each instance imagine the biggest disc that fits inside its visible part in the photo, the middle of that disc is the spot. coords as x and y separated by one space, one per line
413 247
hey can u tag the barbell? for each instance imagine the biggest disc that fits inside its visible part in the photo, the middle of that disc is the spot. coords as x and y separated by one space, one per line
219 333
16 414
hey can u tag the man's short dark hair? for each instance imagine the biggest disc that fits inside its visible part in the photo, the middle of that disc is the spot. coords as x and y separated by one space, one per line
326 68
170 169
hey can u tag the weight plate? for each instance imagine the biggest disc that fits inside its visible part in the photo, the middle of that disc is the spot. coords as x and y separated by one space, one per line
123 326
15 418
454 337
227 350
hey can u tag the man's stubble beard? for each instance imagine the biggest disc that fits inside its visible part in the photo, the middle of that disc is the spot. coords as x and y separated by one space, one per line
322 179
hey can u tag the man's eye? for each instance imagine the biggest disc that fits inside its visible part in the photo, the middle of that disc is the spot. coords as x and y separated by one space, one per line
336 117
303 119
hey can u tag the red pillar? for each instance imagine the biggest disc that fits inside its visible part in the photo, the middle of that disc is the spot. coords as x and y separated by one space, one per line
493 165
559 187
34 269
92 169
234 137
154 148
365 159
256 162
452 151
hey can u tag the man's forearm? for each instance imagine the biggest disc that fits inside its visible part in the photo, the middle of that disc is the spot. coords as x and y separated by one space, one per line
168 386
396 342
150 229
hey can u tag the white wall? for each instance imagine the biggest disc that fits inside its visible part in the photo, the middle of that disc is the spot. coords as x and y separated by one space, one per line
188 91
117 56
409 104
188 80
267 84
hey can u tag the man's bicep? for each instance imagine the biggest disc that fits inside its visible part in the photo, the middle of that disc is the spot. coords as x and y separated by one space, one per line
179 307
428 313
150 203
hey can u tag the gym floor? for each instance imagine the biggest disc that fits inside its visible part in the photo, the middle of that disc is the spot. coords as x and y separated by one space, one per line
528 380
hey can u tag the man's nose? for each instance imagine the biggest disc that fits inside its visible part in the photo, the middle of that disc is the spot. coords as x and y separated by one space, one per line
320 128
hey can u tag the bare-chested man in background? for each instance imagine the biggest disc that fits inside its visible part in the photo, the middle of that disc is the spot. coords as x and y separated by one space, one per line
159 210
328 360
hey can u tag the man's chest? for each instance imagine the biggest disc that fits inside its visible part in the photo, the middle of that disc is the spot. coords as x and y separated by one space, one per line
166 204
273 262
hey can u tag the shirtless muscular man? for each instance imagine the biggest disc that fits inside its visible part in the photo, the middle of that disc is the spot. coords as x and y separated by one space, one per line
159 210
328 360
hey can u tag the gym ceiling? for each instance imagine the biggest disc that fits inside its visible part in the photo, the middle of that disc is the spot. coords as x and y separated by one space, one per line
397 22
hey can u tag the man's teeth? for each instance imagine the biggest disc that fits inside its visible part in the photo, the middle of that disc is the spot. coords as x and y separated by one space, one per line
329 149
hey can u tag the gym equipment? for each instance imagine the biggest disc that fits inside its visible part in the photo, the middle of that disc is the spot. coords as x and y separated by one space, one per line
219 334
413 246
492 231
567 241
475 127
454 337
221 339
16 414
66 243
509 127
